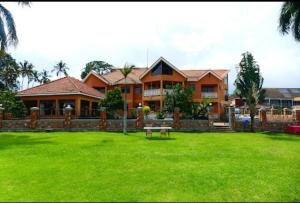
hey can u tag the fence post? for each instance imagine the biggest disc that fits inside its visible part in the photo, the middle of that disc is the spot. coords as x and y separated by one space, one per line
263 117
102 120
1 115
231 117
297 111
68 113
140 118
33 117
176 121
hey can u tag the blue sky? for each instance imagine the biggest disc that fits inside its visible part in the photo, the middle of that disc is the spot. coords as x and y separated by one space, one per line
194 35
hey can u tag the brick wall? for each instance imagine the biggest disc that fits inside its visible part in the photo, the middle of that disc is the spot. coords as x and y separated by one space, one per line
274 126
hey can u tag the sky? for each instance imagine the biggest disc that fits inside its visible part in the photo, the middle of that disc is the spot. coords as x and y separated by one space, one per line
190 35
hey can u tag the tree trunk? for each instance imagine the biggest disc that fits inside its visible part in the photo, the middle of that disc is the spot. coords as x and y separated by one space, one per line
125 111
252 122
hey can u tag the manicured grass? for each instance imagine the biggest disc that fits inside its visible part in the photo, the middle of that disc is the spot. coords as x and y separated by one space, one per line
103 166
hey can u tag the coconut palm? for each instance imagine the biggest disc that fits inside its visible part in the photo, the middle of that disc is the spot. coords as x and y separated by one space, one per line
35 77
8 33
60 68
44 77
125 71
26 69
289 20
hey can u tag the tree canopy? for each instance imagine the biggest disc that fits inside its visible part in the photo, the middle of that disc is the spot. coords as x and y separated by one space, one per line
99 67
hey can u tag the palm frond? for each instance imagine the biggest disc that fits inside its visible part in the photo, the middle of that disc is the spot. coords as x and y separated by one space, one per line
3 38
12 38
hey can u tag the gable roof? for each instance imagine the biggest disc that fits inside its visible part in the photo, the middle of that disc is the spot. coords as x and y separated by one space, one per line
96 75
63 86
167 62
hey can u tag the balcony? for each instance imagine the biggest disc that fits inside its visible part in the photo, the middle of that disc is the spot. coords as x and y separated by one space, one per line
155 92
209 95
152 92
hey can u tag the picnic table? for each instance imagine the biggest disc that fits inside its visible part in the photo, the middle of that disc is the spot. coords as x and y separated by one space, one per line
158 128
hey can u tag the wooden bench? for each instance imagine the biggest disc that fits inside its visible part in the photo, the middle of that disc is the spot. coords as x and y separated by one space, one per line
161 128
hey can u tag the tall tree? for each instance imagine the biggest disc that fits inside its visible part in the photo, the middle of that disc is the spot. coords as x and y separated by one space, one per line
26 70
289 20
9 72
35 77
8 33
60 68
44 77
126 70
249 83
99 67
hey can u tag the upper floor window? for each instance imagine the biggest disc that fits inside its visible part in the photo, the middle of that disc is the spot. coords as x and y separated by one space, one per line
162 69
207 89
127 89
100 89
138 90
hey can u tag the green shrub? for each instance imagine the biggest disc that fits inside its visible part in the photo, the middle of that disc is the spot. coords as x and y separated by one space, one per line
12 104
133 114
160 115
146 110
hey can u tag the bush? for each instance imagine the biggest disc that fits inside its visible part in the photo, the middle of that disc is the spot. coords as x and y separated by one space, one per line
12 104
160 115
133 114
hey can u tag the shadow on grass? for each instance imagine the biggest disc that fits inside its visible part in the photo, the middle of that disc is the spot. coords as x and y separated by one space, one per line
160 138
9 140
282 136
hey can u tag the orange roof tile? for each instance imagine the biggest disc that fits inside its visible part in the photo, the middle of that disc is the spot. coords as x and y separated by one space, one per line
66 85
116 76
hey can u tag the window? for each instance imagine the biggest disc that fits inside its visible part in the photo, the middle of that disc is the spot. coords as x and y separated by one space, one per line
207 89
100 89
162 69
138 90
192 86
127 89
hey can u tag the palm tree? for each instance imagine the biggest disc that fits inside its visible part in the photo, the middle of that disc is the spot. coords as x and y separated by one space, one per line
289 19
8 33
35 77
26 69
125 71
60 68
249 83
45 77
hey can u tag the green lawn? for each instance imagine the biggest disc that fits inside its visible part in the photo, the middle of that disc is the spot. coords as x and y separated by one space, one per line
103 166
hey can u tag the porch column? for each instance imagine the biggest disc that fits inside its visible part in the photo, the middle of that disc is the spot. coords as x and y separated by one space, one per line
56 107
90 108
77 107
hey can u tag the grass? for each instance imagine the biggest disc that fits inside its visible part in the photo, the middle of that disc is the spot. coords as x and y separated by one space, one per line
107 166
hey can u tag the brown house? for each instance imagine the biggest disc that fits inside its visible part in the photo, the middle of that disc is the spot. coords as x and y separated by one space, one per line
148 85
51 98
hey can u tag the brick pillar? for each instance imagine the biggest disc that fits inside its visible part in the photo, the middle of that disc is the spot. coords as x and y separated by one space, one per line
33 117
140 118
263 117
231 117
285 112
1 115
176 121
297 111
102 120
68 116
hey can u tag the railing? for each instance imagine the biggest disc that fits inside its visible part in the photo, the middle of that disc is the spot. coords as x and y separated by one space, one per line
212 95
152 92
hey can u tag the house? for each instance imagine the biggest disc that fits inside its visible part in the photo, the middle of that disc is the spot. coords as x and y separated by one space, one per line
277 97
149 85
51 98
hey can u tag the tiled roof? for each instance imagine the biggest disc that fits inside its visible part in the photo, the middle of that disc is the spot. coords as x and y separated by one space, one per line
66 85
283 93
116 76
